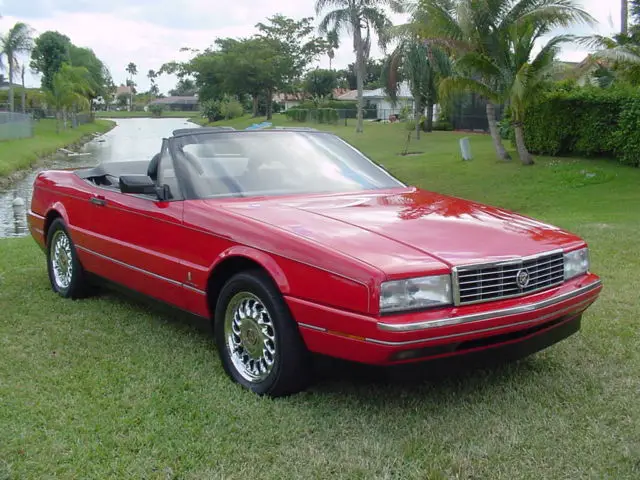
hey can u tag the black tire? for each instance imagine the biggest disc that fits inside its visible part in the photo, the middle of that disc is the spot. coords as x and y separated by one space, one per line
290 371
76 284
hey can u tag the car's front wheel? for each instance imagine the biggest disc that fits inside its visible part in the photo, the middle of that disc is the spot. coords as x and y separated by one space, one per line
66 274
258 340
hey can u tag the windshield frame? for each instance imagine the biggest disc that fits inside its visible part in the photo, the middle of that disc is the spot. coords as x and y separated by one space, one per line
177 143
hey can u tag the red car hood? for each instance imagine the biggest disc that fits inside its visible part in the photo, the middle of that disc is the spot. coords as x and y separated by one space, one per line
450 230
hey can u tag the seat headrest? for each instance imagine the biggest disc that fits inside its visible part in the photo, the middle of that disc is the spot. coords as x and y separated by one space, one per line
152 169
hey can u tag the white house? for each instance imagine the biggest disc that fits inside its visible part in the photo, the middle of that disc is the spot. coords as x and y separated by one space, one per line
378 98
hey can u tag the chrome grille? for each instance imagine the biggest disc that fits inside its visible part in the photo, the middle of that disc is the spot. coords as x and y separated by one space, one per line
494 281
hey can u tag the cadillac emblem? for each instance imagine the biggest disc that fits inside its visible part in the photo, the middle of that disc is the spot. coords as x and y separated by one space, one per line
522 279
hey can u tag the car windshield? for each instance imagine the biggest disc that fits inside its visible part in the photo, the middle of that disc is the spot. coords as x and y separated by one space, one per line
267 163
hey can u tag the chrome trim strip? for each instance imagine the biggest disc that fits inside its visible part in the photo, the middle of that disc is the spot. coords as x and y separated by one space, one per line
311 327
140 270
34 214
475 317
577 309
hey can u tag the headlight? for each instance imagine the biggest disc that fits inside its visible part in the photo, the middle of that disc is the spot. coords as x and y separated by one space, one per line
415 293
576 263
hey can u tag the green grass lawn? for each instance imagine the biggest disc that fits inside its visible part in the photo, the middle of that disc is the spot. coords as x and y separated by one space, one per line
24 152
165 114
111 388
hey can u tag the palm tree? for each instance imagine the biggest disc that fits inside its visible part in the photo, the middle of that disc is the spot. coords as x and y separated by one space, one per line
614 58
333 43
362 18
132 70
17 41
23 71
423 66
152 75
70 90
488 41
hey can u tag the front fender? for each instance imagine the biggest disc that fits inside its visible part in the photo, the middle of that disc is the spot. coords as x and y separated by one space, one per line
265 260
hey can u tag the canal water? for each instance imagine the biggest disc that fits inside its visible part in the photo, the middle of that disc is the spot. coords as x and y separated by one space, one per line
132 139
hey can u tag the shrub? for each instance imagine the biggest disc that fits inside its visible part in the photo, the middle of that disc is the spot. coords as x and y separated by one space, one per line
443 126
156 109
231 108
585 121
211 110
627 136
319 115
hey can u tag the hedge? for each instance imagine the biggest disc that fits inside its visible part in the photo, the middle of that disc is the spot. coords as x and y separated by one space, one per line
319 115
586 121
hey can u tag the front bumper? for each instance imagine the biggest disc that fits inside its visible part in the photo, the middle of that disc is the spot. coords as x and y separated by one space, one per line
444 332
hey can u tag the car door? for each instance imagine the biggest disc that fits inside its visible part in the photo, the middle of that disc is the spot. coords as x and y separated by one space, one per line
138 239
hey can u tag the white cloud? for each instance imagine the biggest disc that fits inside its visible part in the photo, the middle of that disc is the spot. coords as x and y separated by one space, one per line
151 32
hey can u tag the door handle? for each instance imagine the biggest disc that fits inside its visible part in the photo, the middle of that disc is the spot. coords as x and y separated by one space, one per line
100 201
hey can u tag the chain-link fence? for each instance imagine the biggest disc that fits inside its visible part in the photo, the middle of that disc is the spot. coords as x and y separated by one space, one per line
15 125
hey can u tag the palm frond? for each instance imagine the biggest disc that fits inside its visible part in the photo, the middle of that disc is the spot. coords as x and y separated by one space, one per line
453 85
322 5
336 20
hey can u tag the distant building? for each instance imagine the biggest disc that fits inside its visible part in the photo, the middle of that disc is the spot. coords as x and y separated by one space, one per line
4 85
290 100
182 104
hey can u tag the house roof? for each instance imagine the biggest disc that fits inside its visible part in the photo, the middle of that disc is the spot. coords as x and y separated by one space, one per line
289 97
403 92
123 89
175 101
4 85
348 95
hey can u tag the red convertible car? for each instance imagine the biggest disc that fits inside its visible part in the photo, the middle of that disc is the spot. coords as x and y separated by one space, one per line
292 241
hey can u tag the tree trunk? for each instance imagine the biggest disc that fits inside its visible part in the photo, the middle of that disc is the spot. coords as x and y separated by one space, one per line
495 134
24 94
10 60
525 156
624 17
429 122
418 115
360 74
256 104
269 104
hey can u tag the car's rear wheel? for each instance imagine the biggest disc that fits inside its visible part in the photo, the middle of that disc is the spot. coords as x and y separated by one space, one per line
258 340
66 274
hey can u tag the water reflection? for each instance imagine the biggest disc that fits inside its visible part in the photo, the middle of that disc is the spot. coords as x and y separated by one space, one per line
133 139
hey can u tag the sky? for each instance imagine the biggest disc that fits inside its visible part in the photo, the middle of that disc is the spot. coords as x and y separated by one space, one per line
151 32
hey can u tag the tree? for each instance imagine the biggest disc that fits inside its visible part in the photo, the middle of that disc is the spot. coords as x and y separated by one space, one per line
16 41
332 44
372 77
184 88
624 17
132 70
361 18
490 42
98 74
320 83
295 41
153 89
423 66
50 52
70 90
23 103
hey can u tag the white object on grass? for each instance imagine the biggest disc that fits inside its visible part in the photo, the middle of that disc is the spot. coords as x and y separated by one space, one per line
465 148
